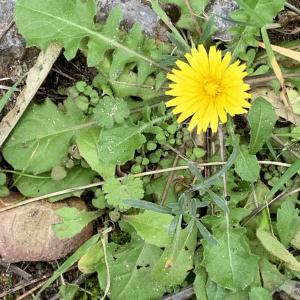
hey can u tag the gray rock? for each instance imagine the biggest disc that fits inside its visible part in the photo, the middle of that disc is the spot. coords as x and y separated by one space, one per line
12 46
26 231
133 11
221 9
14 62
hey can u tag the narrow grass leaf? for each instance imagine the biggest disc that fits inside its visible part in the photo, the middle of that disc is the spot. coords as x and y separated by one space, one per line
69 263
5 98
148 206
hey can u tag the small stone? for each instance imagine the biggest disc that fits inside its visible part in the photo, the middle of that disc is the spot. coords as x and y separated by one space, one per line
26 231
222 9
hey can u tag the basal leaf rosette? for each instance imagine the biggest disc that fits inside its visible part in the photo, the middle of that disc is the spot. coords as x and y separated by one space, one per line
207 88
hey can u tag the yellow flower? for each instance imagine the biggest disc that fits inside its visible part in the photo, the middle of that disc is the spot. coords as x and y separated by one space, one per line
207 88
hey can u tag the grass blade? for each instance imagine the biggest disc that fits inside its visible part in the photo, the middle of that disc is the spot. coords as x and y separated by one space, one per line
5 98
69 262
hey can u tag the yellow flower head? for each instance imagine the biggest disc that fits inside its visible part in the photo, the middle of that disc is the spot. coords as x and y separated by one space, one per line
207 88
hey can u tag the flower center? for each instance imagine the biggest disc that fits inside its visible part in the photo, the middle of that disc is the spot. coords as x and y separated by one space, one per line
212 87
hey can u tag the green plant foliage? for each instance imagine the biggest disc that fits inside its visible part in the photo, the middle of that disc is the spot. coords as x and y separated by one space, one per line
117 145
177 259
73 221
89 262
246 165
186 19
253 15
53 24
68 291
214 291
166 220
87 144
43 131
259 293
231 263
288 221
274 247
34 187
116 191
69 262
262 119
110 111
130 271
270 275
152 227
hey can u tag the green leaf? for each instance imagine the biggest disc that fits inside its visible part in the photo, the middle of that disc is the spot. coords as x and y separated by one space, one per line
110 110
43 132
2 178
116 191
219 201
288 221
177 259
259 293
69 262
117 145
216 292
5 98
73 221
129 267
270 275
231 263
69 22
288 174
68 291
148 205
262 119
34 187
91 259
4 191
296 239
87 145
199 284
253 15
274 247
152 227
246 165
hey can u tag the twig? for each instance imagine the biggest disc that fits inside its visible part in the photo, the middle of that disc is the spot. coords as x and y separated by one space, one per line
260 208
7 88
88 186
222 154
292 7
56 70
197 27
16 270
281 143
23 285
168 183
184 294
35 78
256 80
28 293
5 79
107 269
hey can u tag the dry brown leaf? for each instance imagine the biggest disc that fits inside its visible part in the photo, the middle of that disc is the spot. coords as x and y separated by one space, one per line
284 51
35 78
278 103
